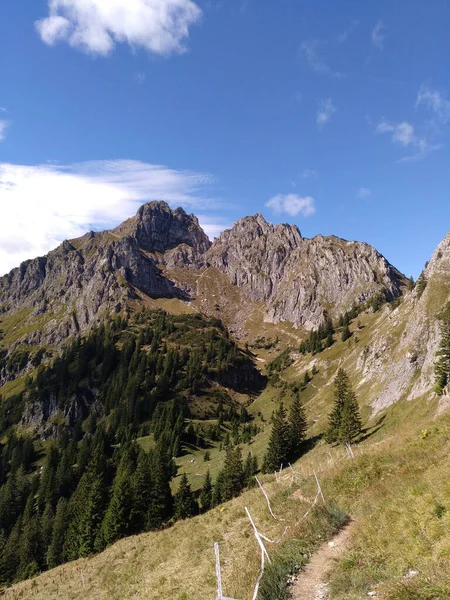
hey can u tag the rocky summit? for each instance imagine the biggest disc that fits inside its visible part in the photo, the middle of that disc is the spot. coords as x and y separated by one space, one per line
296 279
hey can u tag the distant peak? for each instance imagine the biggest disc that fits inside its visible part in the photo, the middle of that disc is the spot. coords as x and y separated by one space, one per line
158 228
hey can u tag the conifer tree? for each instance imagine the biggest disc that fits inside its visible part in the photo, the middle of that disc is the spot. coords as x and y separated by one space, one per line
10 558
217 490
233 480
345 333
344 420
142 488
442 366
185 505
161 501
278 449
297 427
86 509
55 554
206 495
117 521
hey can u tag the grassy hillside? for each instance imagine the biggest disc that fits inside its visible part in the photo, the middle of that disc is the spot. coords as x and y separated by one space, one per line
393 489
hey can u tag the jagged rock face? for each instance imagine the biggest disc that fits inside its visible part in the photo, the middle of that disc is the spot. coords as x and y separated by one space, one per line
157 228
100 272
402 364
297 278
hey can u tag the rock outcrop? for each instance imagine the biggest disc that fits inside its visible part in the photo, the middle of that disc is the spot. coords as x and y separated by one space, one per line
300 279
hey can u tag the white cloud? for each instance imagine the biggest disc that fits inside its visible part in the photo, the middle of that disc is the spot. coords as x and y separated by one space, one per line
213 226
404 134
96 26
378 35
292 204
363 193
350 29
3 109
3 127
43 205
435 101
309 174
325 111
140 78
316 64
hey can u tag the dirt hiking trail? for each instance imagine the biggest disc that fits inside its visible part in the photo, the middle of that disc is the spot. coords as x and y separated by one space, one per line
311 583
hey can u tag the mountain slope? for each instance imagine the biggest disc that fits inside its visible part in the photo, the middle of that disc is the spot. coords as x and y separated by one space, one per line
263 272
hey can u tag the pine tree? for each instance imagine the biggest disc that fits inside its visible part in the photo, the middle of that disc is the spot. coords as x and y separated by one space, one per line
142 488
161 501
345 333
351 421
344 420
250 469
421 284
55 555
442 365
117 521
10 559
206 495
278 449
297 427
86 509
185 505
233 480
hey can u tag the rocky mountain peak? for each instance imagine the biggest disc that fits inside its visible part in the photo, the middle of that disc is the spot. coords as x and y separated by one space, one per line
158 228
256 228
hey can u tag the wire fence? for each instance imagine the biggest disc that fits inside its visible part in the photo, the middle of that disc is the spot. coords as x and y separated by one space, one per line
291 475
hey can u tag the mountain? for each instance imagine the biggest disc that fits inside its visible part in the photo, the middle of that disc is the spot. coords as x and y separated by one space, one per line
162 253
141 363
298 279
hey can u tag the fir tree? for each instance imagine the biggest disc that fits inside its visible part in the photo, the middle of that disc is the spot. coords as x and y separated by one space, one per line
442 366
421 284
206 495
250 469
345 333
117 521
344 419
233 481
185 505
297 427
278 449
142 489
55 555
161 501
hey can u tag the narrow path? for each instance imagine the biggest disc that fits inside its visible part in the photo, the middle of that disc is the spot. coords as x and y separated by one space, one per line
311 583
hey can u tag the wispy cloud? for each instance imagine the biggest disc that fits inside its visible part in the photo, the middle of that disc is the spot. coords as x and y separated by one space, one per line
363 193
435 101
3 109
325 111
213 225
378 35
343 37
140 77
309 174
309 51
244 7
404 134
292 204
159 26
44 204
3 128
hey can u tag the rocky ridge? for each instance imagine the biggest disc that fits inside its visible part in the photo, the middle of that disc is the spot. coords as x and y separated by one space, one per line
300 279
154 253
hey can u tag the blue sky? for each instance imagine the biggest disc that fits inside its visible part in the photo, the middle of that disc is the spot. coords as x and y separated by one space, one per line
332 115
